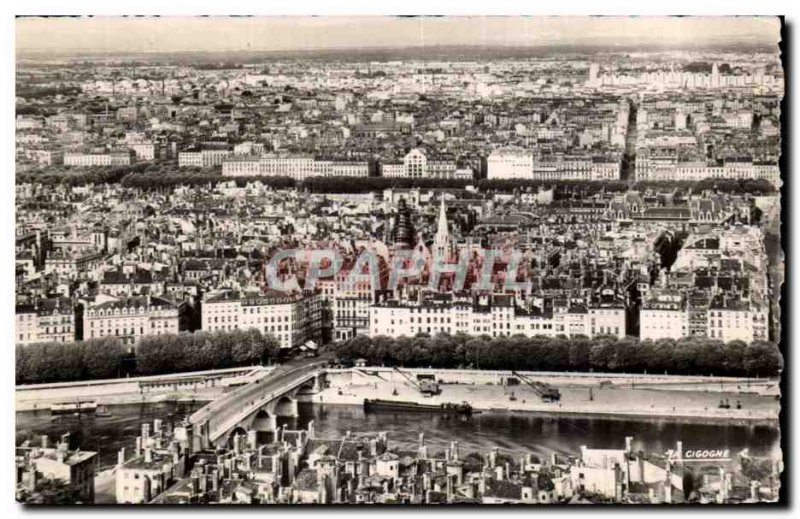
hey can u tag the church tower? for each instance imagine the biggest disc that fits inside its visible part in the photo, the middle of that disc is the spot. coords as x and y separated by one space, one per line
403 233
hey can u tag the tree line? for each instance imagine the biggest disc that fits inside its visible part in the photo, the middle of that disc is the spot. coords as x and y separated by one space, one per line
203 350
155 176
154 355
687 356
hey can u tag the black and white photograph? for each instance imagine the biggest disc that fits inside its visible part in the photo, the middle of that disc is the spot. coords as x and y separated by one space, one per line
399 260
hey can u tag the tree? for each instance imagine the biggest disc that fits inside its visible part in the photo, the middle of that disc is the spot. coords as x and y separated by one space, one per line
21 371
579 354
601 356
733 358
102 358
763 359
690 355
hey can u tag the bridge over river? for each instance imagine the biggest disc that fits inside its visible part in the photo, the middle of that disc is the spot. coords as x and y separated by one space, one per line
256 405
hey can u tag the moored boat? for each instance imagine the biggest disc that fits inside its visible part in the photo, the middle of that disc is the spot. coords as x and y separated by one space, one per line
414 407
78 407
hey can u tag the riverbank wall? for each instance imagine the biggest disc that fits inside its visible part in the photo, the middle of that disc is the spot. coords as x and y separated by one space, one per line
197 385
695 398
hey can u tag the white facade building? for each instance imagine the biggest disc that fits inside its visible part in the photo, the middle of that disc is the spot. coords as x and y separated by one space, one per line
509 164
130 318
292 319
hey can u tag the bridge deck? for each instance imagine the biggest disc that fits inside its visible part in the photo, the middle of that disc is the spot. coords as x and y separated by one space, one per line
223 414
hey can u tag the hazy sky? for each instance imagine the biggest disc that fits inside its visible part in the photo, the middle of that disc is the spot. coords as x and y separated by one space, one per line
289 33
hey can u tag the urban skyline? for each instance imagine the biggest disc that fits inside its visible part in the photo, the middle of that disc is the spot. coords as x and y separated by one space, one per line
398 260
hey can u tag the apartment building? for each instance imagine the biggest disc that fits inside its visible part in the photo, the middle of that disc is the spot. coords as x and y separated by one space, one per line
417 164
509 164
45 320
496 316
731 319
202 159
664 317
293 319
130 318
143 150
116 158
351 301
297 167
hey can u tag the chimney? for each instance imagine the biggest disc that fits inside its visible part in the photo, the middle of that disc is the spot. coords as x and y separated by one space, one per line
679 449
423 452
145 432
421 439
64 441
138 446
32 478
583 453
454 448
628 442
157 425
493 457
214 480
44 441
754 487
449 488
121 457
148 455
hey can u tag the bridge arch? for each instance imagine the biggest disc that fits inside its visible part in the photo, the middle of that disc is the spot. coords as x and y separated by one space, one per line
286 407
235 432
309 388
264 421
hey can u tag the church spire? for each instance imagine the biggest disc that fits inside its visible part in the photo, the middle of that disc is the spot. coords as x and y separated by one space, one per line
442 229
441 241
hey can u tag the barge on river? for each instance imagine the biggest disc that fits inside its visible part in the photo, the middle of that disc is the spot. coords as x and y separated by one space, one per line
412 407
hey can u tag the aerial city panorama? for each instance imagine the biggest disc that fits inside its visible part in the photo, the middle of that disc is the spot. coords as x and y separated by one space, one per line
328 261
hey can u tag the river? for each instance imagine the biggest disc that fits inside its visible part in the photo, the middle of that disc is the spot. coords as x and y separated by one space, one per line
513 433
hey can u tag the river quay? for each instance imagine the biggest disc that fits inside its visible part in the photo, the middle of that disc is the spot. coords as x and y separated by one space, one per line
693 398
610 395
